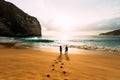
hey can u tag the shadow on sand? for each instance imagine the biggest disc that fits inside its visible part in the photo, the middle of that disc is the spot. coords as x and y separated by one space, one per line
60 57
66 57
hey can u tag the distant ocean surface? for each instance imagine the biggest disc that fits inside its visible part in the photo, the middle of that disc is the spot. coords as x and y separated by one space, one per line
81 42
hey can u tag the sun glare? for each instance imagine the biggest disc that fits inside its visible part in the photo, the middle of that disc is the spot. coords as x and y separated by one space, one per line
63 37
63 23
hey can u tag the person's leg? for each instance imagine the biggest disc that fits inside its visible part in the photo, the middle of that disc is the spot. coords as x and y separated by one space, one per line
60 52
65 52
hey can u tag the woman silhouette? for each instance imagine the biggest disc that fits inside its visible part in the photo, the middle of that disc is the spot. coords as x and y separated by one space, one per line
66 49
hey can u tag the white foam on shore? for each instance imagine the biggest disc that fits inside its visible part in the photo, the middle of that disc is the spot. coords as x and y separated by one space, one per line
100 48
24 45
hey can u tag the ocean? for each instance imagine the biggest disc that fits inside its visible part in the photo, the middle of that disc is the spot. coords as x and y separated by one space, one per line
98 42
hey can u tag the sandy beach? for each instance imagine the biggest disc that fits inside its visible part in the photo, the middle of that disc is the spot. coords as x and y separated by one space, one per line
27 64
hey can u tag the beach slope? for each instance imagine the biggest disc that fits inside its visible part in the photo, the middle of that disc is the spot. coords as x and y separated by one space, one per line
26 64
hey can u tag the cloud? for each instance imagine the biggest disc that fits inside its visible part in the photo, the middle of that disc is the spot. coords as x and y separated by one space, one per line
83 12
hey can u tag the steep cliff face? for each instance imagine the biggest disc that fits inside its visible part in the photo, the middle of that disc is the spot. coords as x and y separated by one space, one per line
115 32
15 23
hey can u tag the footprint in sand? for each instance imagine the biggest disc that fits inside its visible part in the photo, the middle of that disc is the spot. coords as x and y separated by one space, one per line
62 63
57 67
48 75
53 69
56 62
53 65
64 72
61 66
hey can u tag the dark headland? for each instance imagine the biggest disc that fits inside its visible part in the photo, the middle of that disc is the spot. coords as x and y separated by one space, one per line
115 32
16 23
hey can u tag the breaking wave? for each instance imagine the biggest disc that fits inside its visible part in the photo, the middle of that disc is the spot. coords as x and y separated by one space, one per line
35 40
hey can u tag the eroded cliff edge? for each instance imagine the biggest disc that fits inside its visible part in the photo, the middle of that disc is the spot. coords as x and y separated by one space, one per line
16 23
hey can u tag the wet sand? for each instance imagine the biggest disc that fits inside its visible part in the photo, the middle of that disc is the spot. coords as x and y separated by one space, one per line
27 64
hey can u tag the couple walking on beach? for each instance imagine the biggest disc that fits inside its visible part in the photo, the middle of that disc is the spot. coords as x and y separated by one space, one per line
66 49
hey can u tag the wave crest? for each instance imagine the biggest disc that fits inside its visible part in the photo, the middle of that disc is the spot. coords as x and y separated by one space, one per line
35 40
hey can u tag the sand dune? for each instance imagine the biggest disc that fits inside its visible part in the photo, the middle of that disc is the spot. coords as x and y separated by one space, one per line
26 64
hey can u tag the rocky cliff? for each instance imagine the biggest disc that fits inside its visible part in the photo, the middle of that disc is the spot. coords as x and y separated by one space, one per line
16 23
115 32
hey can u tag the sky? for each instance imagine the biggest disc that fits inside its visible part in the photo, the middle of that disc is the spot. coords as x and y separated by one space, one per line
64 14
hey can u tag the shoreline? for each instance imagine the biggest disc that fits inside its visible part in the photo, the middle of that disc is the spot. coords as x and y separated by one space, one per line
75 49
95 43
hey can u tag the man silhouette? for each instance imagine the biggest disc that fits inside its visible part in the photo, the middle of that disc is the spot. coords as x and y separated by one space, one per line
60 50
